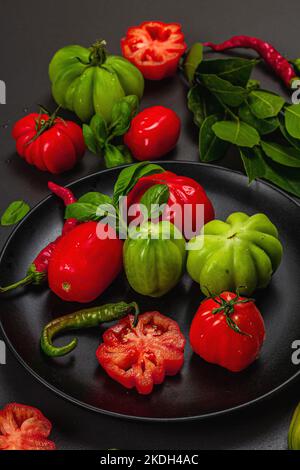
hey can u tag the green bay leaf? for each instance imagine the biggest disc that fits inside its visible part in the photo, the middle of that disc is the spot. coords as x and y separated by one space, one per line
237 132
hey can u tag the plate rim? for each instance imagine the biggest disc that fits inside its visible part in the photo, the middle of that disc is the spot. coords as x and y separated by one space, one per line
80 403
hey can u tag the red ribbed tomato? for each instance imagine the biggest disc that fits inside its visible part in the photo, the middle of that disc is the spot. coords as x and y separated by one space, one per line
228 330
142 356
24 428
154 48
48 142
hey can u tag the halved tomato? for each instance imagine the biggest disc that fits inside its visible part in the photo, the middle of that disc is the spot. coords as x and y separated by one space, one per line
24 428
142 356
154 48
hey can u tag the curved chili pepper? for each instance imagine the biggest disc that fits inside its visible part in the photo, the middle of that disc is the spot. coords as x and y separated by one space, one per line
85 318
271 56
68 198
37 271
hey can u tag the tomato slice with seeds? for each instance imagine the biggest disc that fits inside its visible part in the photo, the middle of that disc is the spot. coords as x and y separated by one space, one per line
24 428
142 356
154 48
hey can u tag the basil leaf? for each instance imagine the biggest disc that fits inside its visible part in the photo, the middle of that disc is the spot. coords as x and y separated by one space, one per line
254 165
133 102
202 104
263 126
284 155
264 104
14 213
286 178
95 198
157 195
292 120
210 146
89 139
81 211
122 113
126 154
227 93
130 175
237 71
113 156
99 129
192 61
237 132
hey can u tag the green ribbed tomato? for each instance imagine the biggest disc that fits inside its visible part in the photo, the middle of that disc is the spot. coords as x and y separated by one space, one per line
88 81
154 258
241 253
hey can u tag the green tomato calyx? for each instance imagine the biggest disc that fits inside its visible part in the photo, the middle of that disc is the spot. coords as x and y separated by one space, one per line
98 53
227 308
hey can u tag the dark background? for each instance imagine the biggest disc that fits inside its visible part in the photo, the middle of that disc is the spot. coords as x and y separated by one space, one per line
30 33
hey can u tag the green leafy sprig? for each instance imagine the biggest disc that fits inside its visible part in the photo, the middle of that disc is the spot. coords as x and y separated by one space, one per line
231 109
103 139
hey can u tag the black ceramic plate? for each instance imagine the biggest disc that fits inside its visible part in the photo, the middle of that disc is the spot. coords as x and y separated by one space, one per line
201 389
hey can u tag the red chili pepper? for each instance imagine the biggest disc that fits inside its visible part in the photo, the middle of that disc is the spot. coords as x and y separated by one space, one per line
38 270
271 56
68 198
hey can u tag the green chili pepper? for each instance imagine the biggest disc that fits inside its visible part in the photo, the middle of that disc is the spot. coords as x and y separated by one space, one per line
85 318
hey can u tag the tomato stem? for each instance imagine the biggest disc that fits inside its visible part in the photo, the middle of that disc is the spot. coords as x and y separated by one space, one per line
227 308
98 53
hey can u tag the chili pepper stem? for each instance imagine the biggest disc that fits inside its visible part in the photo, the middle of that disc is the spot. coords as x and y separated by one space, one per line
23 282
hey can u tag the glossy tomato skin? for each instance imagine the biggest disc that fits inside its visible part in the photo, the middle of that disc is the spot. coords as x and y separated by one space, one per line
141 357
154 48
153 133
56 150
83 265
182 190
216 342
24 427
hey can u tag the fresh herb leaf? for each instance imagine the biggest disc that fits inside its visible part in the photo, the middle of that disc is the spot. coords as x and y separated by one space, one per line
264 104
237 71
263 126
237 132
292 120
253 84
130 175
227 93
122 113
294 142
193 59
253 163
95 198
99 127
89 139
81 211
202 104
14 213
286 156
114 156
210 146
157 195
257 164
